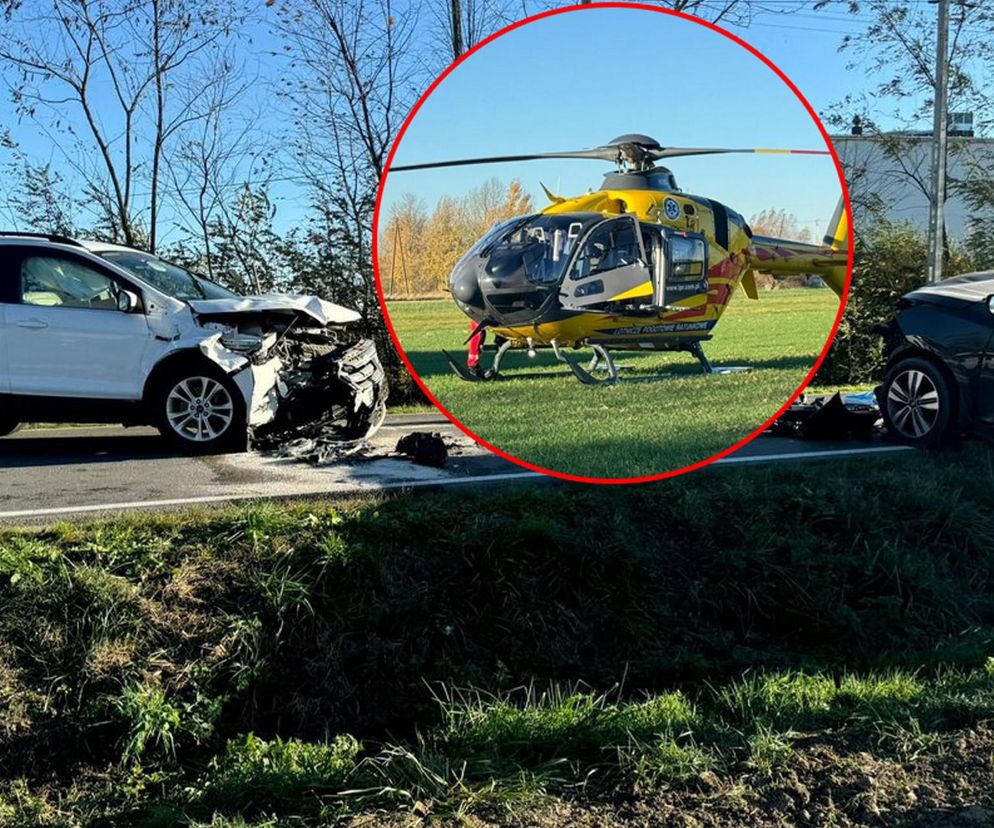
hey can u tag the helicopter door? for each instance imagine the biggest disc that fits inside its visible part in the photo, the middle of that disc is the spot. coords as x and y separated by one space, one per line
611 264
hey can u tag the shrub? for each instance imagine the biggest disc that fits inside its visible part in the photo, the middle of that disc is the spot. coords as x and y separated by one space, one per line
888 261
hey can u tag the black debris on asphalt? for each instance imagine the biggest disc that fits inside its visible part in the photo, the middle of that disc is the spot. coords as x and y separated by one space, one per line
835 417
424 448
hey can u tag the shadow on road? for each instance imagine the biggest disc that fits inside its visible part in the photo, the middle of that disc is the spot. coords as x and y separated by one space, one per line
38 448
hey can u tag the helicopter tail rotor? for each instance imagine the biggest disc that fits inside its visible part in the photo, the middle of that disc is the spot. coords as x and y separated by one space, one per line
837 236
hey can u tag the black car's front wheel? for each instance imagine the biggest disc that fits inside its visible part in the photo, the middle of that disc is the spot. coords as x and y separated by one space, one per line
200 409
918 403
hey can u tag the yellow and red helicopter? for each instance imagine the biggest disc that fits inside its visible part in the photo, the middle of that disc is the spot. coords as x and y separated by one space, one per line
636 265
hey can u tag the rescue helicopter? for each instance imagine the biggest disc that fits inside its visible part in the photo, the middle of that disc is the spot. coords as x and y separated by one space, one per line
637 265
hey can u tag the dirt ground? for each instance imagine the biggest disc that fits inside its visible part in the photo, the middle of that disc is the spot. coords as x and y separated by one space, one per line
949 785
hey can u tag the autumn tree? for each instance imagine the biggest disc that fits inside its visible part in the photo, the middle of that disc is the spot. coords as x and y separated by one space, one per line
779 224
418 250
443 244
402 243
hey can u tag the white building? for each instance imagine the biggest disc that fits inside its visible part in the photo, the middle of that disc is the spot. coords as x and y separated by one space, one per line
889 176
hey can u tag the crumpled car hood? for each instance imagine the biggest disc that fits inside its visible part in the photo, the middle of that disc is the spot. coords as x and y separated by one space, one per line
320 310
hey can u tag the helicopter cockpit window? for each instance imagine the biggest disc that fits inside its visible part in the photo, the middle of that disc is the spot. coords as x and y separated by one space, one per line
688 259
537 247
609 247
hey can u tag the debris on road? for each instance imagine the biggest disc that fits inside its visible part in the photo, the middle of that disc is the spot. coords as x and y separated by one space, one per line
835 417
424 448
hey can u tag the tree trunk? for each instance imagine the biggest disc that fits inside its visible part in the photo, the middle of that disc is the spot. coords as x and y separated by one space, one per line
457 45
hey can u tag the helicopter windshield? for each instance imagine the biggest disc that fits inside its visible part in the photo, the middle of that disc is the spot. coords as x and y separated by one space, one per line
538 246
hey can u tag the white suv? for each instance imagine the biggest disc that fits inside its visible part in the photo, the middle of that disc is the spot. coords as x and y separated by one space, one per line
93 332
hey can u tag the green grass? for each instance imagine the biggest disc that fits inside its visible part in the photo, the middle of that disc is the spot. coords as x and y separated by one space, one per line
663 415
293 665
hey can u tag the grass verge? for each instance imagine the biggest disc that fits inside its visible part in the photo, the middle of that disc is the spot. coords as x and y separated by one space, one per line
667 646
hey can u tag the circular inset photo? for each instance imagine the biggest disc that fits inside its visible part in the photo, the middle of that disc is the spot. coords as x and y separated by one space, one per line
612 243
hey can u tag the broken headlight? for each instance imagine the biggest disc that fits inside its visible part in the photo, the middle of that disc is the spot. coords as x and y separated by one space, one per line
246 343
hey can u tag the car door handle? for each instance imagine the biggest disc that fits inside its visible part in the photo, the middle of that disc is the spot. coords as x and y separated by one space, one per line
33 324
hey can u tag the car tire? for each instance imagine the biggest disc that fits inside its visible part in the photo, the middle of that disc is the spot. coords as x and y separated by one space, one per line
918 403
199 409
8 427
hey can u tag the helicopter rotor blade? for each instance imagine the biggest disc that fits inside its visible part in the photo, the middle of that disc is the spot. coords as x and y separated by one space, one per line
628 151
676 152
600 153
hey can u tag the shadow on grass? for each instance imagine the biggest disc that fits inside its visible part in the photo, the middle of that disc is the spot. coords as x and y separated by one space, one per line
317 619
433 363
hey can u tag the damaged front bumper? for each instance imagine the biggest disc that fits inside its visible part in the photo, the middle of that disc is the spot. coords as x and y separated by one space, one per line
309 392
325 403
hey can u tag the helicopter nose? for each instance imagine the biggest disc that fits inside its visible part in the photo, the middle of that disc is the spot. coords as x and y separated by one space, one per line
465 286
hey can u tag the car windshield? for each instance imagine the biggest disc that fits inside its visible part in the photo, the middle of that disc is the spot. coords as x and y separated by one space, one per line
541 244
171 279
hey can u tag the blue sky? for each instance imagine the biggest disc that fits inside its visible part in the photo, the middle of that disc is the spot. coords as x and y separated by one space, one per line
577 80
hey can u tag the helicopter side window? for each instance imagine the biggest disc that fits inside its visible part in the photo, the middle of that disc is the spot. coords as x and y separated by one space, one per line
687 267
688 259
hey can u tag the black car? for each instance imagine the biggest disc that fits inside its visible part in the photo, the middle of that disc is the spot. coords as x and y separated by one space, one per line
940 361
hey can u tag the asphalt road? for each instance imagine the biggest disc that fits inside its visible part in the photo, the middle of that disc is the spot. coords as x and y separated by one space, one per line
67 473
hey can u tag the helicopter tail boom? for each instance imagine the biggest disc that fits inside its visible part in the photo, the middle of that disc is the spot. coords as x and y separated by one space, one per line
782 257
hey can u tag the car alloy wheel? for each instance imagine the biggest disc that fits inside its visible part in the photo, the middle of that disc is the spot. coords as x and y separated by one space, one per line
199 409
913 403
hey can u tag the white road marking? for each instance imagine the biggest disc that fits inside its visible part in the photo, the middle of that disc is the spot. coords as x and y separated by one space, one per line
811 455
409 484
192 501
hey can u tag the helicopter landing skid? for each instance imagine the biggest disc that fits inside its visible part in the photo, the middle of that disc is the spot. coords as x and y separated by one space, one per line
476 375
696 350
584 374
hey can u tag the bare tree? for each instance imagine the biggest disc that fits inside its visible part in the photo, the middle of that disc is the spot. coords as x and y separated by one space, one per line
179 34
729 12
464 23
353 76
897 49
214 155
456 19
102 73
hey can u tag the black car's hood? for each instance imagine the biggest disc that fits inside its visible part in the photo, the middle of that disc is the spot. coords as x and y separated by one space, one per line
970 287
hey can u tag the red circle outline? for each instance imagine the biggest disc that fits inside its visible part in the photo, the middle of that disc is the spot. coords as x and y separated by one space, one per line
575 477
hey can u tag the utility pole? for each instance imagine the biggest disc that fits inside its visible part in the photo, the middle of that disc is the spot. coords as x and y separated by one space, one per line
457 46
936 219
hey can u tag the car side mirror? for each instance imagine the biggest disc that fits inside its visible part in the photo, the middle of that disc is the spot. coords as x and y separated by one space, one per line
127 301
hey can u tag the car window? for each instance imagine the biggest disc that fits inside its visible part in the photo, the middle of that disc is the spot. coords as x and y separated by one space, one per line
56 281
171 279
